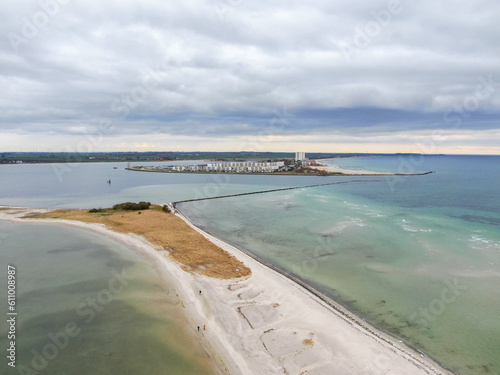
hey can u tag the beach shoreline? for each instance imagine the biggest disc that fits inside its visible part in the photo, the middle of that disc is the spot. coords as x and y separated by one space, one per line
348 172
330 169
267 322
331 306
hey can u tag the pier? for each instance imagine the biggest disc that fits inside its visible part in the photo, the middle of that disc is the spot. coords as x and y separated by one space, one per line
269 191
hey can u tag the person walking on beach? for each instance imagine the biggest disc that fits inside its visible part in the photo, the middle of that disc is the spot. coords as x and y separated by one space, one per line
204 326
198 328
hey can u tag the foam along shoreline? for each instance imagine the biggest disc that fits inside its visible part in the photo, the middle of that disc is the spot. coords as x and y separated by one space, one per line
266 323
351 172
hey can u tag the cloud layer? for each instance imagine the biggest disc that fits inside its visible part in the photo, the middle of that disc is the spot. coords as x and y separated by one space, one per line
213 74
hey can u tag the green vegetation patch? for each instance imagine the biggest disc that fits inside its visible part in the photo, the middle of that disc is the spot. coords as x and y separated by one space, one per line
130 206
94 210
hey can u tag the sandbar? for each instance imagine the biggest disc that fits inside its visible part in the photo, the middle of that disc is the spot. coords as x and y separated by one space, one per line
265 323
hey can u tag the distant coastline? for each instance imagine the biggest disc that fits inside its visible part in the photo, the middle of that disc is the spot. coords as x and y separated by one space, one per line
7 158
337 172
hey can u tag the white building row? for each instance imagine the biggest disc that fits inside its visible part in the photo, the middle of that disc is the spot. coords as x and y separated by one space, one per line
234 167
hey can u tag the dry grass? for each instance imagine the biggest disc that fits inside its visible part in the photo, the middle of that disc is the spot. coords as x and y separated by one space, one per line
185 245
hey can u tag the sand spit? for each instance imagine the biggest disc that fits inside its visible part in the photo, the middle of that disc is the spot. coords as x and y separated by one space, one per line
166 232
266 323
350 172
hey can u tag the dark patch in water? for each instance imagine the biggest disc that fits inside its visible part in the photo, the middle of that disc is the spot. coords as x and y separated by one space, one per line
45 295
113 261
67 250
77 291
290 206
325 255
483 369
40 325
479 219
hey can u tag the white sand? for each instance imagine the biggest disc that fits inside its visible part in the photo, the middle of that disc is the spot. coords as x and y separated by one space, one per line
335 169
258 324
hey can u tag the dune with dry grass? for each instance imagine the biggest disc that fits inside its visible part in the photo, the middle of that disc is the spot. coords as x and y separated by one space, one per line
165 231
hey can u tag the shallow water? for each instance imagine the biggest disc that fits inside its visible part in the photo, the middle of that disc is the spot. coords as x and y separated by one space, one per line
123 318
85 185
421 261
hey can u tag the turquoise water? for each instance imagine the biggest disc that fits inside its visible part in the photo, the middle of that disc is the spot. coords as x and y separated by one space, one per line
122 318
417 256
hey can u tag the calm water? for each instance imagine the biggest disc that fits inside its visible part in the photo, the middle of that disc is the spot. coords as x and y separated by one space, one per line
417 256
84 185
125 324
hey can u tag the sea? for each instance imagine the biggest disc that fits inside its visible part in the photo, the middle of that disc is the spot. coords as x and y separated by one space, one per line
416 256
85 304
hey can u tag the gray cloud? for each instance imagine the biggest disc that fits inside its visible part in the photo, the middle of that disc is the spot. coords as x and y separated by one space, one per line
222 67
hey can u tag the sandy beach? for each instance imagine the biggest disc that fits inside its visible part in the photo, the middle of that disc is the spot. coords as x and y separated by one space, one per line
266 323
354 172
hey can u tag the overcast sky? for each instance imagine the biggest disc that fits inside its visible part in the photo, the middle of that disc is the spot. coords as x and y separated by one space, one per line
275 75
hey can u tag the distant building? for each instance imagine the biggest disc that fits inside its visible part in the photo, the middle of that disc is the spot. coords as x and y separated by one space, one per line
299 156
229 167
